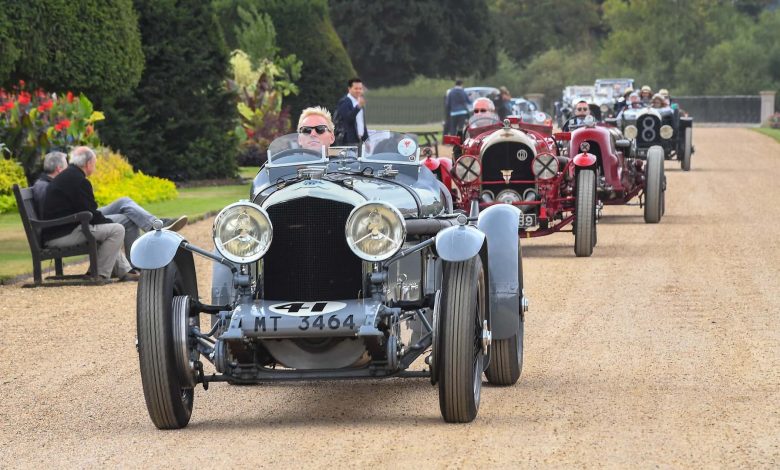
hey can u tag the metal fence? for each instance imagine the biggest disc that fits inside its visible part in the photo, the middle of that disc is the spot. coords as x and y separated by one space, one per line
703 109
736 109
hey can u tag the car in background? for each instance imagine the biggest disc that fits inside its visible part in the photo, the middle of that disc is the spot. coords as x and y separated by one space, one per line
665 127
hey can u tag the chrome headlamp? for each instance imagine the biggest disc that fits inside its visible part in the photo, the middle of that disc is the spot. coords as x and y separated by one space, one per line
375 231
631 132
666 131
545 166
467 169
242 232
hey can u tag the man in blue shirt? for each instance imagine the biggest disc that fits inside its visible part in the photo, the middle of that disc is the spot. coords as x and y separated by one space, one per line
456 105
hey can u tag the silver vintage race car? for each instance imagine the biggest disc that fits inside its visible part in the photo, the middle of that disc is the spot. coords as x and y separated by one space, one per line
346 263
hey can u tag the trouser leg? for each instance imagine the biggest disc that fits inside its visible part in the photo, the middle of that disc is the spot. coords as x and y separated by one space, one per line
110 238
140 216
132 232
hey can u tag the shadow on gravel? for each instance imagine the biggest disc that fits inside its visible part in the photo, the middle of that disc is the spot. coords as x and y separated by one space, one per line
622 219
324 403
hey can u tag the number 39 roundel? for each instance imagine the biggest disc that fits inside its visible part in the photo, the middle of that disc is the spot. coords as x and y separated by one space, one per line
303 309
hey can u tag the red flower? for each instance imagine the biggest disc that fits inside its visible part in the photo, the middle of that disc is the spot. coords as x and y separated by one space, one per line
24 98
40 93
65 123
48 104
41 108
21 83
70 97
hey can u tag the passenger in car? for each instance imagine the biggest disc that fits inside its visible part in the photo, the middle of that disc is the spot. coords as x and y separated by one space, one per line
646 95
658 101
315 128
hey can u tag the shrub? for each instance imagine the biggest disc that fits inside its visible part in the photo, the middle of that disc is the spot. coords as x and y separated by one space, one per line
10 173
88 46
32 124
114 178
179 122
774 121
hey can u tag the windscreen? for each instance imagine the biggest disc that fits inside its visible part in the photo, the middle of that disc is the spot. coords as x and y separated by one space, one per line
294 149
389 146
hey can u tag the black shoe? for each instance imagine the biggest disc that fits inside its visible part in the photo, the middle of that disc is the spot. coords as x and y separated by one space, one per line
174 225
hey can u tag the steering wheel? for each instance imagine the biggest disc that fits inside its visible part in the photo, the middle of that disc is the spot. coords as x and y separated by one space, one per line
286 156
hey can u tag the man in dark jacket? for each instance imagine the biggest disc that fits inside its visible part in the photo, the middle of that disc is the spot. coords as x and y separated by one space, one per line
71 192
456 105
350 118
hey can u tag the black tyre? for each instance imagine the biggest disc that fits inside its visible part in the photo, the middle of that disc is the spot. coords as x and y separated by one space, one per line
654 185
685 160
585 213
168 398
461 360
506 359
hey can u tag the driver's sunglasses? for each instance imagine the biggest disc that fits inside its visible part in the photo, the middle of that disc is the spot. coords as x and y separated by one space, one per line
321 129
477 111
582 109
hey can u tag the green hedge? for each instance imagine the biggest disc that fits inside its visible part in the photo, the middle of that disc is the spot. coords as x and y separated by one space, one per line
11 173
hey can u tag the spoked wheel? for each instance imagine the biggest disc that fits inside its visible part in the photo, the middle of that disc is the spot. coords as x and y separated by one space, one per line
685 161
585 213
654 185
461 359
165 350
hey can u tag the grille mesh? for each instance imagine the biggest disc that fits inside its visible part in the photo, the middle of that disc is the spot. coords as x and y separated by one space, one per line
648 129
309 258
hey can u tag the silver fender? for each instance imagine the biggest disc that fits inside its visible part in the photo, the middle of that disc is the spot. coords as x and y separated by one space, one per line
459 243
155 249
500 225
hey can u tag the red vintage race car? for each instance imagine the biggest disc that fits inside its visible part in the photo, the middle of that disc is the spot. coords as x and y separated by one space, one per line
622 173
519 163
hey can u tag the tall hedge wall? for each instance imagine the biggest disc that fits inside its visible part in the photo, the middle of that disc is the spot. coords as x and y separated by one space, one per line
90 46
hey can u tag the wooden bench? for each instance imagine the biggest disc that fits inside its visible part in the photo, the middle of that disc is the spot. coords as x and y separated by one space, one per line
33 226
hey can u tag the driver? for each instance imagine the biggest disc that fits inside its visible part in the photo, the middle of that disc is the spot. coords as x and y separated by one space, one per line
485 105
646 94
315 128
581 111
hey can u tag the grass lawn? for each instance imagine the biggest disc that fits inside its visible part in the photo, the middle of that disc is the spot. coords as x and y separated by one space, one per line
15 256
773 133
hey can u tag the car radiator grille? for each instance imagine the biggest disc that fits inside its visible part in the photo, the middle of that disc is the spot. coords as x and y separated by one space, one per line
648 130
309 258
507 156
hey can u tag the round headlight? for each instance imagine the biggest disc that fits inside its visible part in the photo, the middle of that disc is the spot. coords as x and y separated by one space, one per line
375 231
604 108
242 232
630 132
666 131
508 196
467 169
545 166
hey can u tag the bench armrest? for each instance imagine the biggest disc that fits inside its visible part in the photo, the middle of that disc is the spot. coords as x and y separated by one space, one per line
82 217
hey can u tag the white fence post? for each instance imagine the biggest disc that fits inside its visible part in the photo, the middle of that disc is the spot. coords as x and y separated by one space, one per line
767 105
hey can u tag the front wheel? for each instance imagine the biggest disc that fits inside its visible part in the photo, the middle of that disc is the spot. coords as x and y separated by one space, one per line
461 359
685 162
585 213
506 359
654 185
165 355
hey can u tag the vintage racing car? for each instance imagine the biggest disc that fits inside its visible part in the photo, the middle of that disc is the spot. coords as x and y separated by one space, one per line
622 174
345 263
664 127
518 163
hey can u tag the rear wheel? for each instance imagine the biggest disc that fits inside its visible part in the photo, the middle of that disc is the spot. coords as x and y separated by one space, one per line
165 357
461 358
585 213
685 162
654 185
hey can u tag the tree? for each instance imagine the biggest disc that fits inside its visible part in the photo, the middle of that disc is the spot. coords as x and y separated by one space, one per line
392 42
528 28
89 46
179 122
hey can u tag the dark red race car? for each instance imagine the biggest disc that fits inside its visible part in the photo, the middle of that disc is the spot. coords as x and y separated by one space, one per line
518 163
623 173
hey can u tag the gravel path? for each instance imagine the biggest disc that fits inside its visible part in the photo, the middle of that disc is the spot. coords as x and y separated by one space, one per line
663 349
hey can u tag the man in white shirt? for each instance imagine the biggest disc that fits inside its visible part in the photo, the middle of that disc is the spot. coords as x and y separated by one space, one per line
350 118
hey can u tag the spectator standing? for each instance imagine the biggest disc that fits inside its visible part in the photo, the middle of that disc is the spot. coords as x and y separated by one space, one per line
457 107
350 116
504 103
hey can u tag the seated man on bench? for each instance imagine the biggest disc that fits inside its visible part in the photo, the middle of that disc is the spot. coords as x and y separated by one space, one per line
124 210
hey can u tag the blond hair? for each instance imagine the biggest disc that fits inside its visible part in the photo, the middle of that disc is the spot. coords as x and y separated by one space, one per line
316 111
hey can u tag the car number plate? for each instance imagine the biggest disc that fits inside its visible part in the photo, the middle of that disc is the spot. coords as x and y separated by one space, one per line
527 220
